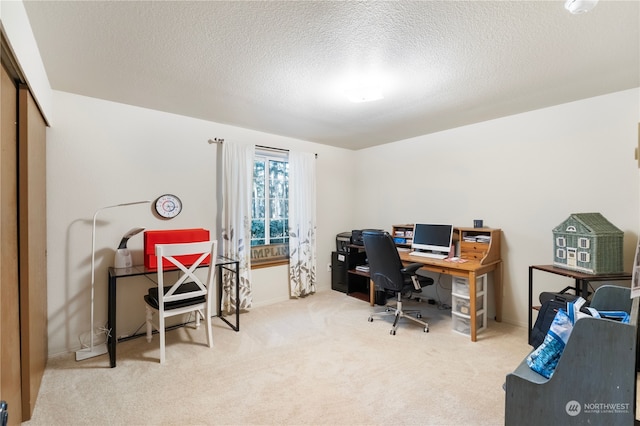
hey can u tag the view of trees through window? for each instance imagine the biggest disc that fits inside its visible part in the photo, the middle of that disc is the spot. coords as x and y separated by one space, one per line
270 201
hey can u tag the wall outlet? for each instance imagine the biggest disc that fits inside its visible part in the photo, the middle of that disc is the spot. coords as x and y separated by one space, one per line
328 267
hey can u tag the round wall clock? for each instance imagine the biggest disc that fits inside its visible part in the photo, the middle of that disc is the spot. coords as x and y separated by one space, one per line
168 206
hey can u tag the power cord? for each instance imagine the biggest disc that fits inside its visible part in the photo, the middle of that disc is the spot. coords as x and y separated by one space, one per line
98 332
441 306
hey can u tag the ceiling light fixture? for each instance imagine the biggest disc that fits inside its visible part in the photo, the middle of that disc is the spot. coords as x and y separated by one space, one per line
577 7
365 94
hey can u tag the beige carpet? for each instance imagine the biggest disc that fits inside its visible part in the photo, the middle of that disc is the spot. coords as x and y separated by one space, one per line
310 361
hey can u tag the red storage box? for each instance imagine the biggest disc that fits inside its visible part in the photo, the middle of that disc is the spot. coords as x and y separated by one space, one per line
170 236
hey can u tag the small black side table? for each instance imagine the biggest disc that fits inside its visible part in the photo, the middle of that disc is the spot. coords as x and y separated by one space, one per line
581 283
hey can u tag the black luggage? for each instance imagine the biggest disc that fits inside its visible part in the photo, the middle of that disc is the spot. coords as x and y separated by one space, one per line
551 302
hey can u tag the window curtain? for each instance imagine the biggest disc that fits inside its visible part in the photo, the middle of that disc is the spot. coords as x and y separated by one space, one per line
302 223
236 186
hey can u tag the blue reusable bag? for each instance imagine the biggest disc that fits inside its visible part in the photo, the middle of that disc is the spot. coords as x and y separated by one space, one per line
544 359
620 316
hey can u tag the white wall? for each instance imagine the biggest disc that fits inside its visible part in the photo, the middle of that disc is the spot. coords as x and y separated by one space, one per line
101 153
524 174
16 26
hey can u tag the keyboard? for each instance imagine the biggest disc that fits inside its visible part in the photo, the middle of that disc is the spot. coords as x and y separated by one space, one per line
427 254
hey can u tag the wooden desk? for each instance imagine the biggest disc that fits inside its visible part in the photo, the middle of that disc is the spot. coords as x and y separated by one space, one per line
469 270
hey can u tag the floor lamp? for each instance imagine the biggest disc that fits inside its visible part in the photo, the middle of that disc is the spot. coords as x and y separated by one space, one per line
92 350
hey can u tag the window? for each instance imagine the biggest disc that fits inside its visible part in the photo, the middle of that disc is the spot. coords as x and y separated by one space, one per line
270 199
584 256
583 243
561 242
561 254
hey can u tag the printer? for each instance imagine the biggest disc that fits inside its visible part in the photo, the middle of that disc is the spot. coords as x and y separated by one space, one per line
356 236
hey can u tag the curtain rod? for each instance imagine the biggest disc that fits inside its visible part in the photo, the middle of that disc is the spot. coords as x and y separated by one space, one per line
218 140
271 148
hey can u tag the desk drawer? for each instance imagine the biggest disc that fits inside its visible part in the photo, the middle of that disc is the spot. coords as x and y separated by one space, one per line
462 305
462 323
460 286
474 250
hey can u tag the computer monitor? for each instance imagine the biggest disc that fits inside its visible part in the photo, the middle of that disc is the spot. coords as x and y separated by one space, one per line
432 237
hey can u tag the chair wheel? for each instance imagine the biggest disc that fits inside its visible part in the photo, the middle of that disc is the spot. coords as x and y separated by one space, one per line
426 329
370 319
419 316
392 332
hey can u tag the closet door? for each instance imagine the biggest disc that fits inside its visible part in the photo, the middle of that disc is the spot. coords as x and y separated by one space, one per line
10 382
32 237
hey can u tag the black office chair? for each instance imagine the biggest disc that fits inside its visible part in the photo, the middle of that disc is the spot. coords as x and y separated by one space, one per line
389 274
4 414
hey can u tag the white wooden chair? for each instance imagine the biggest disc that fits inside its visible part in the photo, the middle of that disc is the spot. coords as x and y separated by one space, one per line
187 293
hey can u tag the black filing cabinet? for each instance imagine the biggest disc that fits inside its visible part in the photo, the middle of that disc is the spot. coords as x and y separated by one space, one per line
341 262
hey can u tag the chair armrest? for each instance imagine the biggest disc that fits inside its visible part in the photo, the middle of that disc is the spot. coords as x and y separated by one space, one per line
411 268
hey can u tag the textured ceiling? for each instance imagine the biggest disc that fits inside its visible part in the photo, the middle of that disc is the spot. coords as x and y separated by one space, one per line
283 67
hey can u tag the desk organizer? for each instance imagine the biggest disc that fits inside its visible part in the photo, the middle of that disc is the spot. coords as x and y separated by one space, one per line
170 236
461 304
